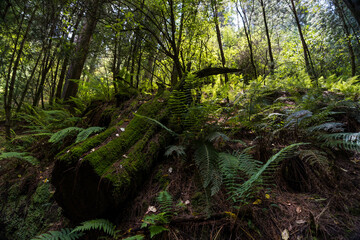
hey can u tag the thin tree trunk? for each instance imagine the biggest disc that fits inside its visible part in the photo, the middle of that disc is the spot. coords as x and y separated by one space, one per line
308 66
218 35
272 62
29 80
9 89
340 11
248 38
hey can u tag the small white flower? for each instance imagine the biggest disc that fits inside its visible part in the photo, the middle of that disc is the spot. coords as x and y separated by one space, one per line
93 150
121 166
122 129
170 170
117 135
187 202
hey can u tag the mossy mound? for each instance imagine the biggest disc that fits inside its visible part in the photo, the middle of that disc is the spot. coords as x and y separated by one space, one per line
94 178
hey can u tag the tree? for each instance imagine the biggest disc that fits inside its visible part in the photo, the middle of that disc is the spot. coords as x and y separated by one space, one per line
354 6
81 50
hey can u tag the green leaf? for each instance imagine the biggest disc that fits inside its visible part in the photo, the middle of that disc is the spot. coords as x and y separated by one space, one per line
154 230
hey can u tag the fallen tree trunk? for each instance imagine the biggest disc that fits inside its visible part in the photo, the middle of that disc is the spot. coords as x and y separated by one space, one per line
96 177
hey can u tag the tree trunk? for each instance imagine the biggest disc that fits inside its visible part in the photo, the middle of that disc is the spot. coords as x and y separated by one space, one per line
29 80
218 35
354 6
340 11
66 62
82 48
248 37
272 62
9 89
308 65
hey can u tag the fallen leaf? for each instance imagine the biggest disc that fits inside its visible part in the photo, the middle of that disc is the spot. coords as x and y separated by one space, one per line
300 221
258 201
298 210
285 235
267 196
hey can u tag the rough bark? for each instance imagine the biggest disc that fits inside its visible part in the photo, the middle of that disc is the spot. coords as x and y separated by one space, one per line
81 51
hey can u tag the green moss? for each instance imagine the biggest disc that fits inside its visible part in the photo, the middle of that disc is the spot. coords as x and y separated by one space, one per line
26 216
75 151
105 156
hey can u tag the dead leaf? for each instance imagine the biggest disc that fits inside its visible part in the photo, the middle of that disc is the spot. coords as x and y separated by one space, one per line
298 210
285 235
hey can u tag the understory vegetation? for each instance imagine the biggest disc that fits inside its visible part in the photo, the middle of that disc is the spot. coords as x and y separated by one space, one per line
179 119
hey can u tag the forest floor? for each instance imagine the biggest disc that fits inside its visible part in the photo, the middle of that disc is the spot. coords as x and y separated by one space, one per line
303 200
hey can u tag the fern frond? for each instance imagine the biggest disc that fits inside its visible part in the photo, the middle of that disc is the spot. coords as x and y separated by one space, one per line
314 157
206 159
84 134
136 237
60 135
22 156
178 149
63 234
333 127
346 141
158 123
297 117
240 192
165 200
97 224
216 135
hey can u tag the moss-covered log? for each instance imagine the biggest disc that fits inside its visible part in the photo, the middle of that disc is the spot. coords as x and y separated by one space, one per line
96 177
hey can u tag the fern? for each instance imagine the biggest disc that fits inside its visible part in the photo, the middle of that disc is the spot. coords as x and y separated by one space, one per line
242 191
136 237
346 141
216 135
158 123
97 224
60 135
297 117
84 134
22 156
63 234
206 159
333 127
314 157
165 200
178 149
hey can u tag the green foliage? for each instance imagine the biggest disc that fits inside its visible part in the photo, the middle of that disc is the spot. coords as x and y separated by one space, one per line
165 200
97 224
346 141
178 149
158 123
313 157
333 127
82 134
62 134
41 121
85 133
136 237
63 234
206 159
240 192
22 156
156 222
